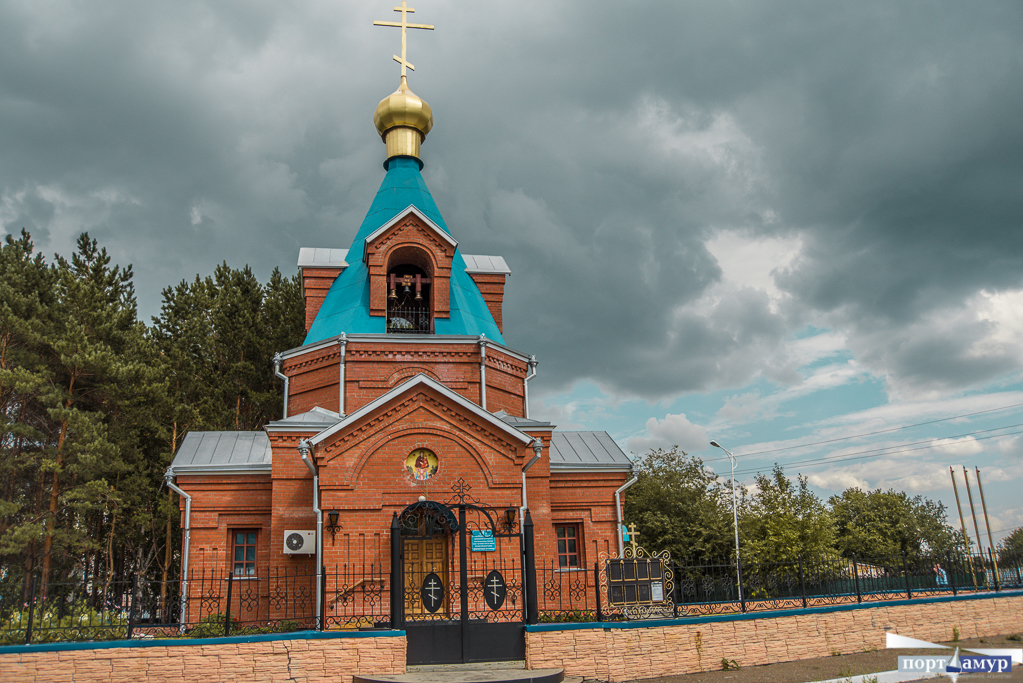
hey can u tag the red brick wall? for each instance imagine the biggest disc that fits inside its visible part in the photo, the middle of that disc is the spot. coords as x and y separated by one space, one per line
316 283
410 241
588 500
374 368
491 286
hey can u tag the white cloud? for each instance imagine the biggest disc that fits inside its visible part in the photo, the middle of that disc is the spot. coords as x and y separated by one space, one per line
957 447
672 430
838 480
750 261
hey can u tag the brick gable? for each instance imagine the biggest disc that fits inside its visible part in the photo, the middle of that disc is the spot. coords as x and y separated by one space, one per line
410 239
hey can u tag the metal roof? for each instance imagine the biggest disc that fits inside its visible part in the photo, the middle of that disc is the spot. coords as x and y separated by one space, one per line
587 451
477 263
346 306
313 257
522 422
317 418
212 452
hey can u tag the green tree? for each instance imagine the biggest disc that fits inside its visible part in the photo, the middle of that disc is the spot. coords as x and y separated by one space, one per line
1010 549
80 386
884 524
680 506
26 298
220 334
783 519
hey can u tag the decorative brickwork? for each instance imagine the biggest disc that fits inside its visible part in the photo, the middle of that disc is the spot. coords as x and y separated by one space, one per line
639 651
492 288
410 241
374 368
320 660
316 283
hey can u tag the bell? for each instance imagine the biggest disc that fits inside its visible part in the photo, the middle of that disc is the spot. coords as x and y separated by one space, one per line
393 294
406 290
419 297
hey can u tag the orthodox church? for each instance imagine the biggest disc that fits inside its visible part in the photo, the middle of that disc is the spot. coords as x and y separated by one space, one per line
406 416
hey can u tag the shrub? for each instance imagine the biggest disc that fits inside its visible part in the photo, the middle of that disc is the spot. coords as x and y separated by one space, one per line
78 622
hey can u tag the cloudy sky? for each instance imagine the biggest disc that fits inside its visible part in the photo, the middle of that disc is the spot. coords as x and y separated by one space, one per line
793 227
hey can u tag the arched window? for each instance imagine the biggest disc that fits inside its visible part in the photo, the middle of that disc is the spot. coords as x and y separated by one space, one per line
409 302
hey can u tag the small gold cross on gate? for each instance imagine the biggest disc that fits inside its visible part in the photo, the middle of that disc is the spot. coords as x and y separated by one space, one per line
404 25
632 538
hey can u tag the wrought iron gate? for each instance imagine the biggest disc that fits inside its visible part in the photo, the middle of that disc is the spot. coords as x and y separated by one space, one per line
457 575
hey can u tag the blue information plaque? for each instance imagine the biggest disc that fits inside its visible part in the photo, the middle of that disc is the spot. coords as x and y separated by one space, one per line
483 541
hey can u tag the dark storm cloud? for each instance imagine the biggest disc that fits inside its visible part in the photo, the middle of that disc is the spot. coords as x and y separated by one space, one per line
597 147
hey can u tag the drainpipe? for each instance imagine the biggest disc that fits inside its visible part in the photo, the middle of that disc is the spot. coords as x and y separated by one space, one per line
305 449
618 511
342 344
537 446
483 370
168 477
531 364
278 359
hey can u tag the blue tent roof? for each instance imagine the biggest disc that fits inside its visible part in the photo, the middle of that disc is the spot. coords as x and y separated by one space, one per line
346 306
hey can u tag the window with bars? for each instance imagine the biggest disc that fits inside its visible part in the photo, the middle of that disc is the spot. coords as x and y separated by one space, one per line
244 552
568 545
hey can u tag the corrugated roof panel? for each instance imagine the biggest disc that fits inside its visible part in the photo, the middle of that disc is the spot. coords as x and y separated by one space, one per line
220 450
587 449
478 263
206 449
312 257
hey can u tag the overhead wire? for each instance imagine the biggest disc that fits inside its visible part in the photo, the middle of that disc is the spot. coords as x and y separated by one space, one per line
882 431
878 452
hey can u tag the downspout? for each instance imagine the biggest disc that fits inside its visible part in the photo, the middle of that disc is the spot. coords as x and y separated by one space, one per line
531 364
537 446
342 344
186 544
483 370
278 359
618 511
304 449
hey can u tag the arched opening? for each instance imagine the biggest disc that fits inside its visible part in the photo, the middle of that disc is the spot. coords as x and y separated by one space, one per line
409 293
425 530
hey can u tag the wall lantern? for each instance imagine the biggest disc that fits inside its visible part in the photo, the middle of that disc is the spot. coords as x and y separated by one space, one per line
332 525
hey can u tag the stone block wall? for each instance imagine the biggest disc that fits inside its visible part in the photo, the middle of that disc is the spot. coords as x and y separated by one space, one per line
621 652
326 659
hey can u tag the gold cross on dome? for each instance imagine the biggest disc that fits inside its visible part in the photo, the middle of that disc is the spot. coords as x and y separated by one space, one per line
404 25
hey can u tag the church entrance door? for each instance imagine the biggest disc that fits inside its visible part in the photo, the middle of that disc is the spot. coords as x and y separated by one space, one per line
423 556
461 584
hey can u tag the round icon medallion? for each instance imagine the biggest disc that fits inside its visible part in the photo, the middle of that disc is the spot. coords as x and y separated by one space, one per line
421 464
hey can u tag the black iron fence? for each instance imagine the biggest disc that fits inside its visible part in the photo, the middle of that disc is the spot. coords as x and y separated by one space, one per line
213 602
692 588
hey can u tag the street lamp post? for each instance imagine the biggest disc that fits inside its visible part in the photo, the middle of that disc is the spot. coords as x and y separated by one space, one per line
735 515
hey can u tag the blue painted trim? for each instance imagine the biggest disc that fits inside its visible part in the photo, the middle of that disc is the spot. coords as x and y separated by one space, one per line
774 614
189 642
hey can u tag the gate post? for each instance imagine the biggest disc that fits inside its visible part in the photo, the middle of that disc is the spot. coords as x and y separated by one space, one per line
529 568
856 578
227 612
463 588
905 573
397 589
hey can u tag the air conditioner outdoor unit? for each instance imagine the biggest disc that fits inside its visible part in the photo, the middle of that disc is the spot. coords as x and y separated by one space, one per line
299 542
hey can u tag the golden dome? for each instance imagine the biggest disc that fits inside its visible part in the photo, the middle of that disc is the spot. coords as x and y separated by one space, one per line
403 119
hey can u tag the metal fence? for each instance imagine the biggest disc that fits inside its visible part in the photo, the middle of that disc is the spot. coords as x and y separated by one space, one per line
213 602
